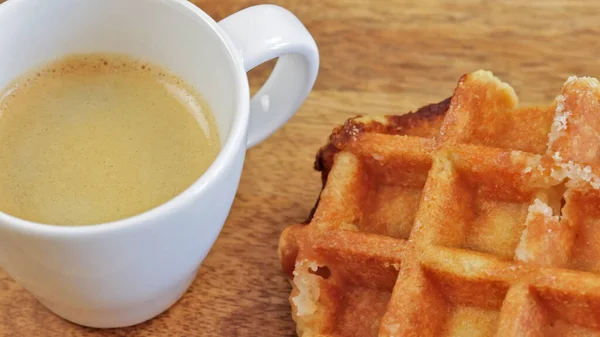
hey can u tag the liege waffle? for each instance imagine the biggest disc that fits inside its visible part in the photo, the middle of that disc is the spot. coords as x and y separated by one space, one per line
471 217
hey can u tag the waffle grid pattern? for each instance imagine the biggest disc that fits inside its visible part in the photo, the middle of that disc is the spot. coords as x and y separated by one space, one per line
472 217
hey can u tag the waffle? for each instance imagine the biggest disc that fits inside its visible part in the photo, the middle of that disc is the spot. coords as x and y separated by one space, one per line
470 217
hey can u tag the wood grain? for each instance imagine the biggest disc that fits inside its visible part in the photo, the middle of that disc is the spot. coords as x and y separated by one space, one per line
378 57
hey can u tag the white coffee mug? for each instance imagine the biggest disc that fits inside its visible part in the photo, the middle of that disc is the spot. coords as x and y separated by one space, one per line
127 271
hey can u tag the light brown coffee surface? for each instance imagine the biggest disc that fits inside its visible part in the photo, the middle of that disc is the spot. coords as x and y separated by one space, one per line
95 138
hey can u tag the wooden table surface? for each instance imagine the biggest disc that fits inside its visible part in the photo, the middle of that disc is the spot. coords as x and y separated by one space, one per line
377 57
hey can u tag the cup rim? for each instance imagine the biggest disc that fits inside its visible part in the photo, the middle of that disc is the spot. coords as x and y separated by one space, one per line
224 158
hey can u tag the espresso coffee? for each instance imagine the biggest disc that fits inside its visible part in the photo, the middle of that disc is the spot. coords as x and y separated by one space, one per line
94 138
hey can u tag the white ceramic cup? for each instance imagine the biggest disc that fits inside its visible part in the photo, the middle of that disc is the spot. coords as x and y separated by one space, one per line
125 272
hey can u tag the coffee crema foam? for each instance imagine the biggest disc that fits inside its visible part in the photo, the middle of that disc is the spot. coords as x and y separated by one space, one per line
94 138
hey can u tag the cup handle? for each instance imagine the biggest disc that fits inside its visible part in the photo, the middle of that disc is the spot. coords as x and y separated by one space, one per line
264 32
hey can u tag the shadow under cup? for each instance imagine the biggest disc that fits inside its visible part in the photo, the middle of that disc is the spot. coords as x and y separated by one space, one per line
123 273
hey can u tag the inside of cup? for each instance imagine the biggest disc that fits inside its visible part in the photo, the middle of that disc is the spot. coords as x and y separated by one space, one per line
162 32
